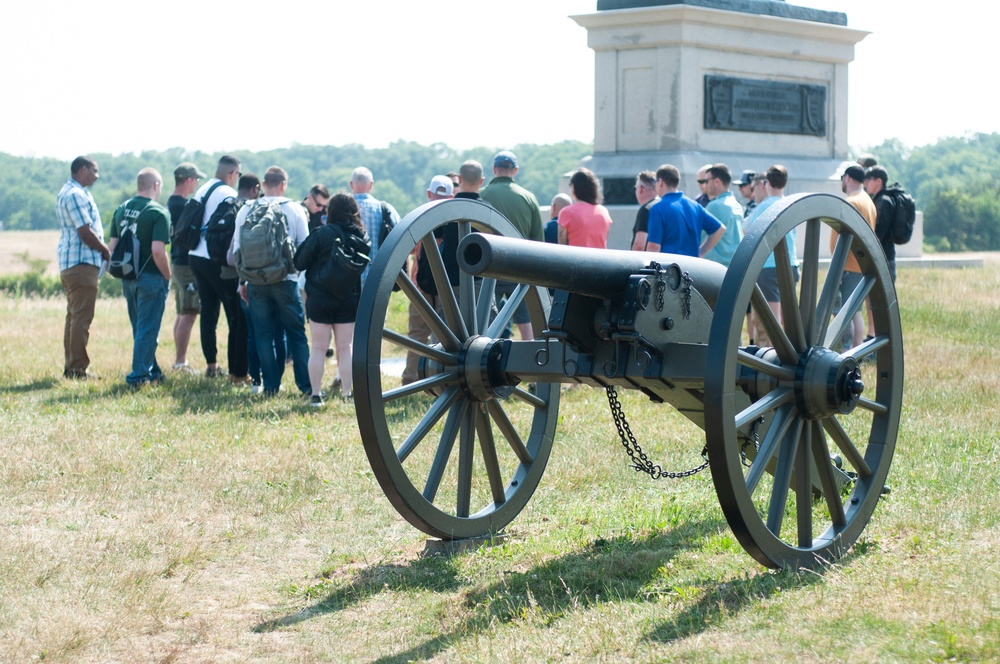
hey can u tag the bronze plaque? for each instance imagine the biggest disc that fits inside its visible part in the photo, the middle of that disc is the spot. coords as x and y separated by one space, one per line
740 104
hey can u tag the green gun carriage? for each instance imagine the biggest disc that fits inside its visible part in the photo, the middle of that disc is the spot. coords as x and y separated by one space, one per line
799 433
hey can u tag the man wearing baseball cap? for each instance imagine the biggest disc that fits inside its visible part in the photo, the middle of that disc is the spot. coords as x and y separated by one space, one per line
440 188
186 177
745 185
520 207
852 181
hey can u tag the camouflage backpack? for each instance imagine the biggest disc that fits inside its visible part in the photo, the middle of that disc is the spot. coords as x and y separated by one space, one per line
266 250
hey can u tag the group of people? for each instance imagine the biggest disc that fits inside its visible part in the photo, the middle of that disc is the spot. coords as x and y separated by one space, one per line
266 321
266 317
712 225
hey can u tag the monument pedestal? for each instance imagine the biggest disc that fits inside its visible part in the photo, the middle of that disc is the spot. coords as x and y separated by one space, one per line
748 83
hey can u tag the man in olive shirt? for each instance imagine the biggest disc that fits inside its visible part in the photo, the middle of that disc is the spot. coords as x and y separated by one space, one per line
520 207
186 177
146 295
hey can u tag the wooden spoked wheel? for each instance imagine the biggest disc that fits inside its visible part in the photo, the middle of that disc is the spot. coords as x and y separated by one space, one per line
457 455
801 432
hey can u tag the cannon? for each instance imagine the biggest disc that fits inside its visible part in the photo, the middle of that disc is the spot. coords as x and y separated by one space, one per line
799 433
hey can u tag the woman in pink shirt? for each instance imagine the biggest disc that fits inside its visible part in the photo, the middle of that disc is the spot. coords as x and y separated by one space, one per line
584 223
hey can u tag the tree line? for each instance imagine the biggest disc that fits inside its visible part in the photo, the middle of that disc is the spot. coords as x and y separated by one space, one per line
28 185
955 181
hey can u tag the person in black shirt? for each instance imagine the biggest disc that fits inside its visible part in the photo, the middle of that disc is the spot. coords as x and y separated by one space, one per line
315 204
182 280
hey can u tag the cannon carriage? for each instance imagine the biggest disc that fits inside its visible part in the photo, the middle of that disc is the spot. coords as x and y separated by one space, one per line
799 433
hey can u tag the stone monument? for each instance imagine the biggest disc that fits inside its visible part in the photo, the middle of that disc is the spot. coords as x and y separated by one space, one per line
749 83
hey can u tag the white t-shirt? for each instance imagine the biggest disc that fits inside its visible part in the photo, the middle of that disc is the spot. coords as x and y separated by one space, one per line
219 195
296 219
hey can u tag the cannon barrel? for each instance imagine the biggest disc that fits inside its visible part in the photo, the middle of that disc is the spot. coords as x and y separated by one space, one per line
599 273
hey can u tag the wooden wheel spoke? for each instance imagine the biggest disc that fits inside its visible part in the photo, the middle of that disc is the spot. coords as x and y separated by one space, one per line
786 352
775 433
427 422
873 406
508 431
772 400
810 281
827 480
449 303
452 425
416 387
502 320
440 329
803 487
429 352
467 285
853 305
487 445
789 299
765 367
783 477
466 452
831 286
487 292
529 398
868 347
844 443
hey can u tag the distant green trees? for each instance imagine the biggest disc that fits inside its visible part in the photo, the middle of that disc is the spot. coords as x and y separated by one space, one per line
956 182
28 186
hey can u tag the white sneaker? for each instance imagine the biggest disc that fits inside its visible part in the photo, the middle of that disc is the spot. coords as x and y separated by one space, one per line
256 388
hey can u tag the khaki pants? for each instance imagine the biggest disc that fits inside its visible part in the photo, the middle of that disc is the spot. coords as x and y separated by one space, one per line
420 331
80 282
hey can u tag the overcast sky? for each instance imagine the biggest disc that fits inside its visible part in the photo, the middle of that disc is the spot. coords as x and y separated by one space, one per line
114 76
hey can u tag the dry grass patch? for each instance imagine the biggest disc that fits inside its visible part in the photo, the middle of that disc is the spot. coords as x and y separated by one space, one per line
191 522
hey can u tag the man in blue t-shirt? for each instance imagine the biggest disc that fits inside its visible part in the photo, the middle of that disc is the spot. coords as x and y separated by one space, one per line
677 222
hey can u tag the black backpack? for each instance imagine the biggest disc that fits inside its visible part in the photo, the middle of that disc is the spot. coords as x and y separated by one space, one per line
905 215
387 224
220 229
187 232
124 262
340 273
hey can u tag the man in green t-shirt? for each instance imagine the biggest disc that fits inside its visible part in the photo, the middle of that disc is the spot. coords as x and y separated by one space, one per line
520 207
146 295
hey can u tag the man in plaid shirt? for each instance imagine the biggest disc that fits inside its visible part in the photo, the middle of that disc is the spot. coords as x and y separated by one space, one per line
81 253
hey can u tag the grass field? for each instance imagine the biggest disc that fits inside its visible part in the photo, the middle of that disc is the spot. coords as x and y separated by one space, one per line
191 522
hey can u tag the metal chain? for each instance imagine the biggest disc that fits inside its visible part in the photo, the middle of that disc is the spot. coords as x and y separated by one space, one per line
746 442
640 462
687 295
661 283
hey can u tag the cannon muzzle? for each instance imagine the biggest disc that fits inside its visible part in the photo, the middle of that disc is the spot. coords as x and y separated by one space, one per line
598 273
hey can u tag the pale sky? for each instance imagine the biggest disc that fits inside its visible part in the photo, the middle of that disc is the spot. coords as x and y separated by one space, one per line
119 76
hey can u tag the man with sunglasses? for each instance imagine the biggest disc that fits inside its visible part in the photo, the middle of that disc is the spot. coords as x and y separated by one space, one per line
315 204
645 195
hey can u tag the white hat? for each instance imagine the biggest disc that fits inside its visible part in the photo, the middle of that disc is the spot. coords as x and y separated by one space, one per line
440 185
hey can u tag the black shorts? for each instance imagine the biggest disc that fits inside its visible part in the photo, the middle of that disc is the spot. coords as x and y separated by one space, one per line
321 307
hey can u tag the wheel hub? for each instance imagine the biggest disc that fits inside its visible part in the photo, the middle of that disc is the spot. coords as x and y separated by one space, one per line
481 369
827 383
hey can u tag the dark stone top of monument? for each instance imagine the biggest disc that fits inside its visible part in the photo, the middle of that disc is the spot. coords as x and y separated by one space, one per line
766 7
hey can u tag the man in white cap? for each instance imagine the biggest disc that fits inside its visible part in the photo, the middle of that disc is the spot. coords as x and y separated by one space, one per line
440 188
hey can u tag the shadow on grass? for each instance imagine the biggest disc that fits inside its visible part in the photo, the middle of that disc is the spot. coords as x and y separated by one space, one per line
620 569
719 601
36 385
189 394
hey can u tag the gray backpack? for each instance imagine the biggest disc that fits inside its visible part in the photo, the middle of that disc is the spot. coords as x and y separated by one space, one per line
266 251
